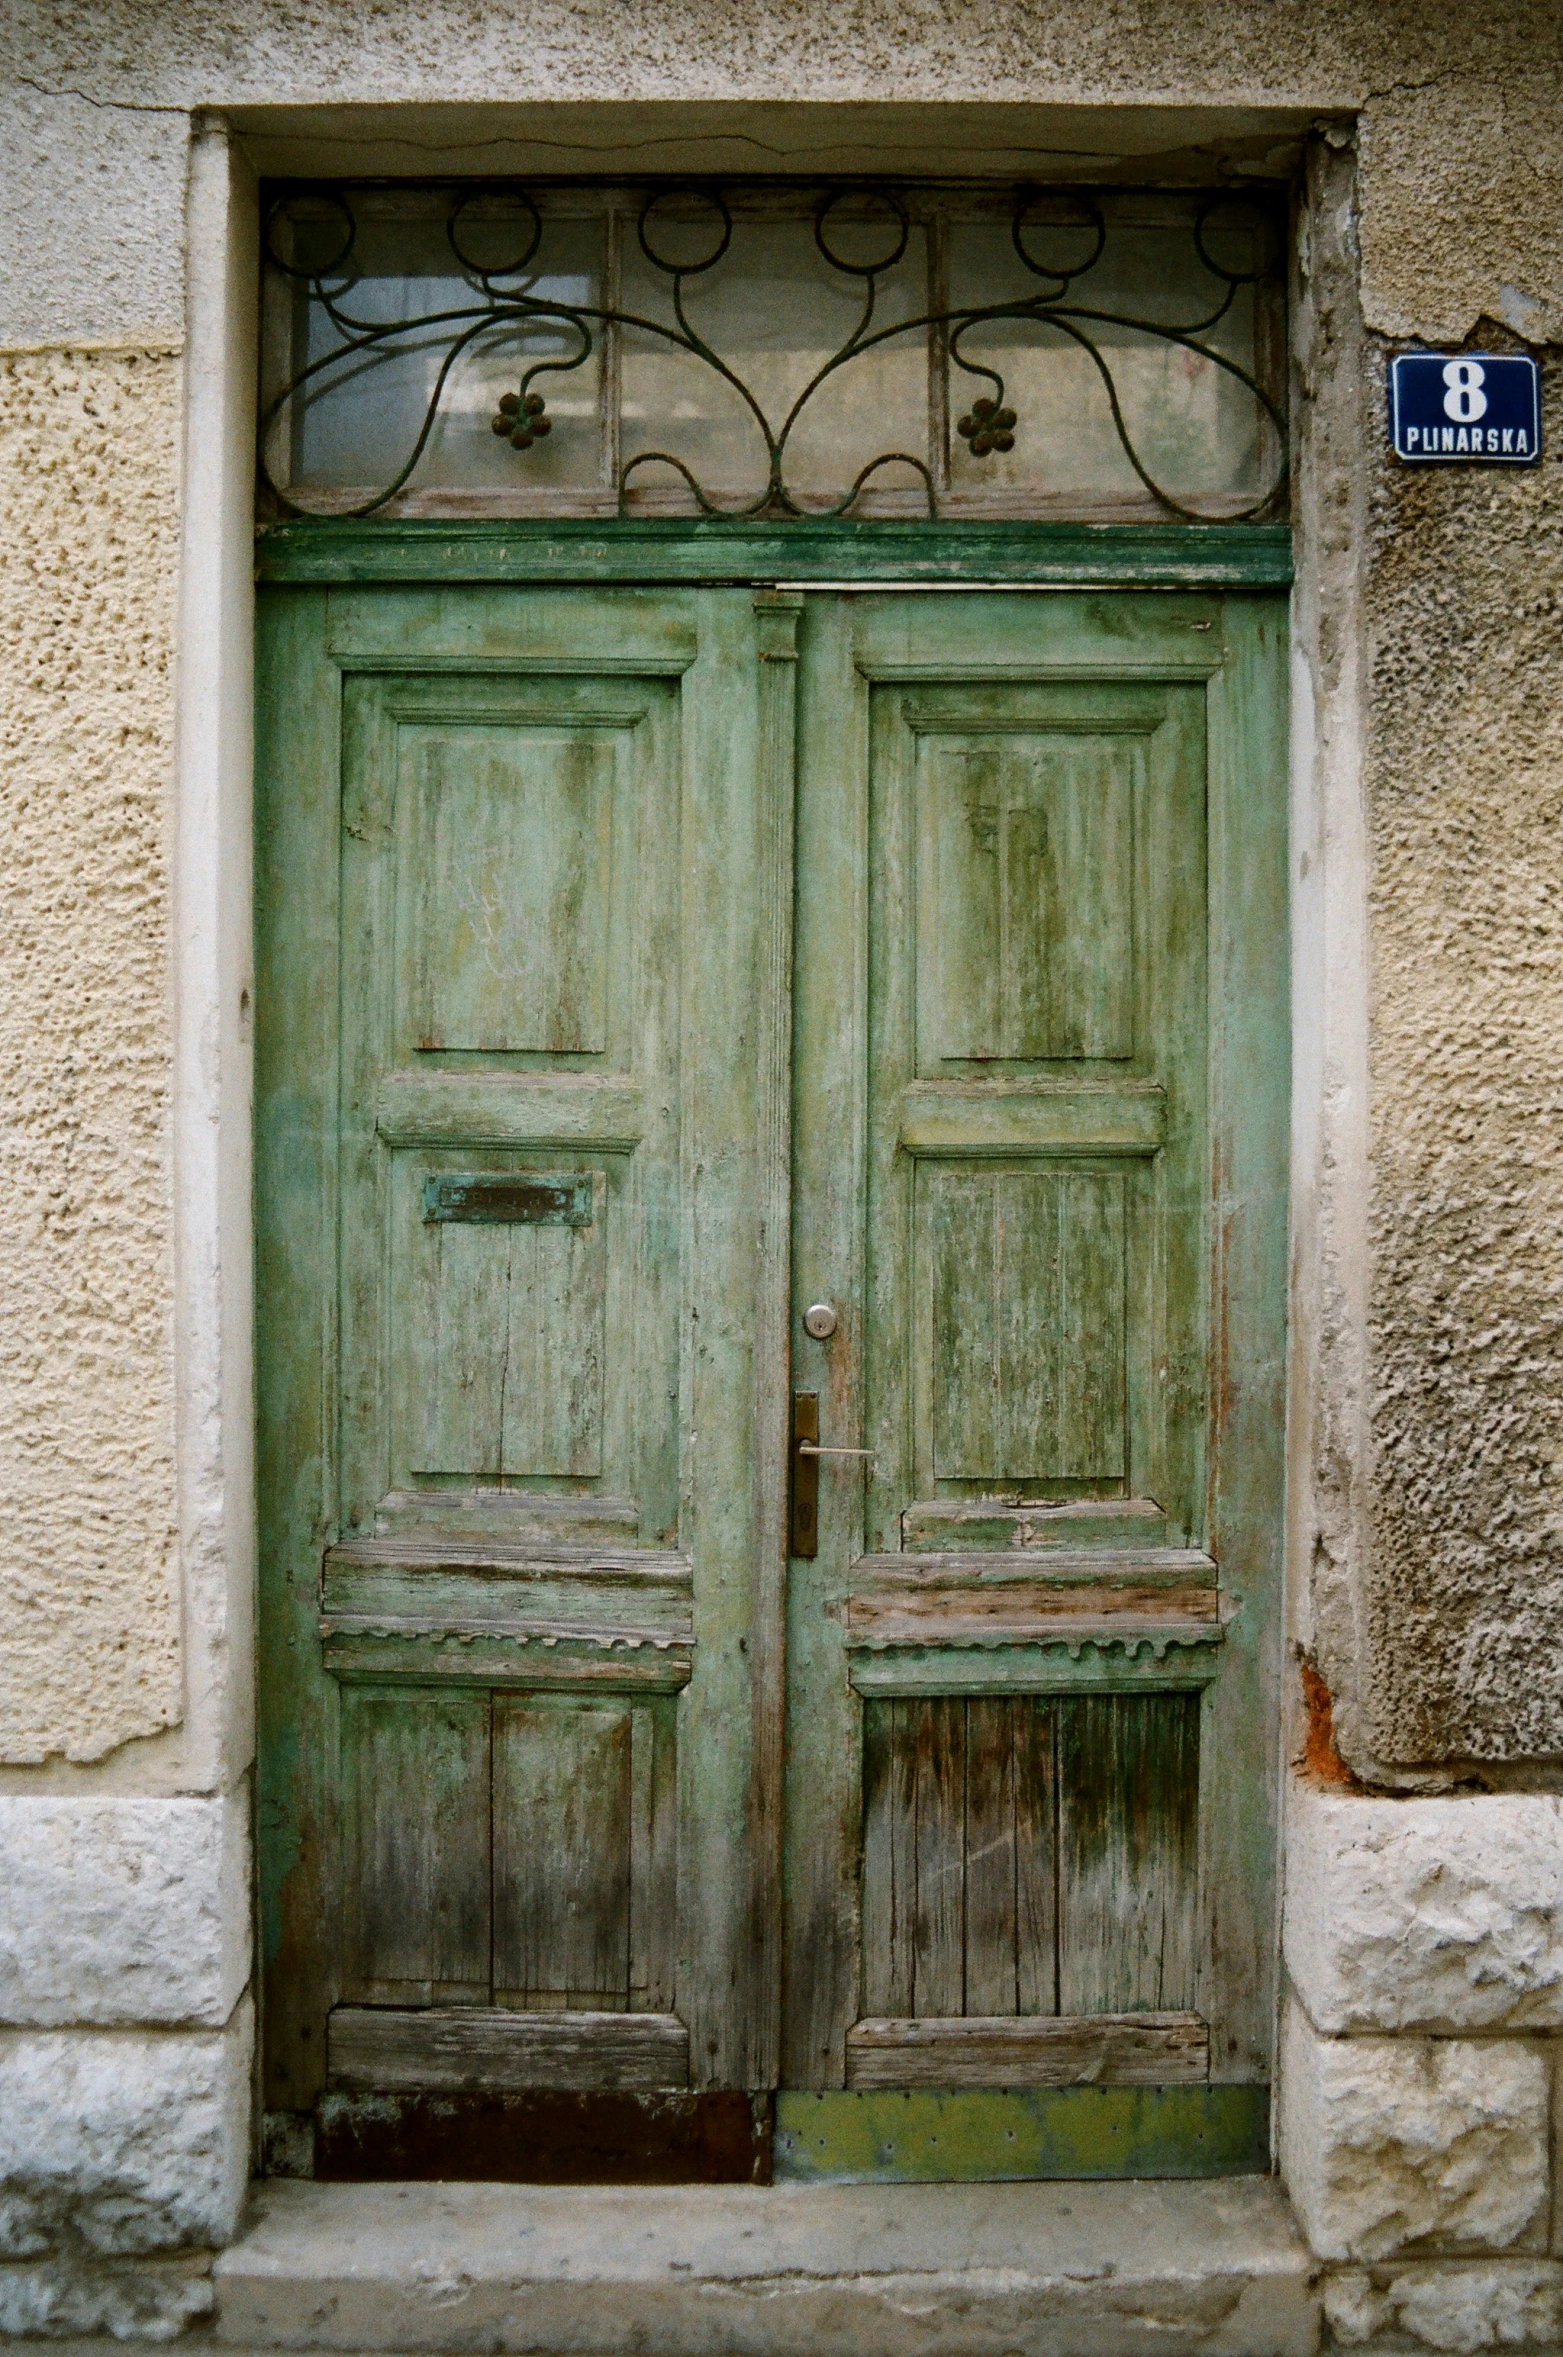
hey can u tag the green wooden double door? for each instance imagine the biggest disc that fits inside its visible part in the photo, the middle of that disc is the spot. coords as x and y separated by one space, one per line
698 1027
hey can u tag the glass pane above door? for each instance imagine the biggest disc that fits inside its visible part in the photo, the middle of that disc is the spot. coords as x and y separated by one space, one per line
766 350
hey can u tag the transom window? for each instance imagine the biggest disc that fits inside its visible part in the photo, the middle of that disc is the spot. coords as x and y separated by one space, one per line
773 350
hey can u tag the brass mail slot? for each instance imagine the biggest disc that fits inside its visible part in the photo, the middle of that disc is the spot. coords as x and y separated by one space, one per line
504 1200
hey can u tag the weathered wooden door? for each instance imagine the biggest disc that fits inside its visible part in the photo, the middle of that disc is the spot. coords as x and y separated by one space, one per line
1040 1097
523 1091
591 1203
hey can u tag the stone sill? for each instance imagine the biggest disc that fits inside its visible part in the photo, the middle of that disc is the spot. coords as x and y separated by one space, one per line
1034 2270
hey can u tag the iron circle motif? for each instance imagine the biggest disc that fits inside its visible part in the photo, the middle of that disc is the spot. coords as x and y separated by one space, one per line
485 273
901 232
1090 223
1213 205
819 1319
705 196
333 204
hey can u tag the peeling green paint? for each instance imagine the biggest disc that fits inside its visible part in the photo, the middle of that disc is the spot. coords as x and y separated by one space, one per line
980 2135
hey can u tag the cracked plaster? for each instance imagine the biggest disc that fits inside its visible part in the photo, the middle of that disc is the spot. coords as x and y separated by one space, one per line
1462 161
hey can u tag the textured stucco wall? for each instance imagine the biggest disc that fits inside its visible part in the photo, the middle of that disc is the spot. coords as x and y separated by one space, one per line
1463 1574
89 1638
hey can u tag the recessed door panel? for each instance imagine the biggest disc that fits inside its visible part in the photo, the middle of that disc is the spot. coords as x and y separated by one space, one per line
508 885
1025 901
1025 1315
502 1326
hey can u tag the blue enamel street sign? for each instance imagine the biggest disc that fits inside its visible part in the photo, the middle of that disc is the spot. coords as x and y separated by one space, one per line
1463 407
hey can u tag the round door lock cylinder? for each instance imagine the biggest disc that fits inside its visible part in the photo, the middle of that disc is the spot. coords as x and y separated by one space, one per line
819 1319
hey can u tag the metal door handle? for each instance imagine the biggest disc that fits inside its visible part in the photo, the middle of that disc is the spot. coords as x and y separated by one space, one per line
804 1456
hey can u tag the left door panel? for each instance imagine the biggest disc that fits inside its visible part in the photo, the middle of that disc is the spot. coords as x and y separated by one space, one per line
521 1060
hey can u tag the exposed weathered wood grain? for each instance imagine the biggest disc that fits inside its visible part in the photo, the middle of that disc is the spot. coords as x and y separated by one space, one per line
562 1853
415 1847
542 1660
1025 865
1089 1658
989 1842
965 1119
1018 1613
958 1856
1128 1785
941 1524
1029 1372
983 1567
938 1747
383 2049
1095 2050
1034 1723
654 1858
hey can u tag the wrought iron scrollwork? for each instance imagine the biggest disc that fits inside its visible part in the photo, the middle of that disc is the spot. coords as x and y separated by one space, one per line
522 418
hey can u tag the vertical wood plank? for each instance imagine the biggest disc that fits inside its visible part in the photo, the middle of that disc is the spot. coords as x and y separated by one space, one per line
991 1834
939 1771
889 1884
415 1848
562 1853
1128 1856
654 1856
777 616
736 903
1036 1855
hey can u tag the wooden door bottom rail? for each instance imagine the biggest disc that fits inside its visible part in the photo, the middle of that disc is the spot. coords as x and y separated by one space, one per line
1030 2050
545 2137
452 2049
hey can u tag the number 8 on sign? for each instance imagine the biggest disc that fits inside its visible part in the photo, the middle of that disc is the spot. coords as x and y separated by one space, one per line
1465 401
1465 408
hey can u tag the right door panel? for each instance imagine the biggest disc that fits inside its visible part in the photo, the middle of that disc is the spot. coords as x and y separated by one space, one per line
1032 1662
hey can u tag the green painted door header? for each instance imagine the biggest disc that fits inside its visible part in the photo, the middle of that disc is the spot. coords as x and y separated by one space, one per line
805 553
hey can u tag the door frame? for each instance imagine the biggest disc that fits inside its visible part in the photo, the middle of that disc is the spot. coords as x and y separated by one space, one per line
853 557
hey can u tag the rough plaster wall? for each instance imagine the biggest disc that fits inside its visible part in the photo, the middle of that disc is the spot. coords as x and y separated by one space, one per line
1464 784
88 449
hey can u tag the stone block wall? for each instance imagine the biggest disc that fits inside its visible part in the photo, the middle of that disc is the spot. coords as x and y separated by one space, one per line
125 2037
1421 2063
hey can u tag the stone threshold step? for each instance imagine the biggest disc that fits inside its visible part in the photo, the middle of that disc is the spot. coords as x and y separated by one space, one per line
1019 2270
